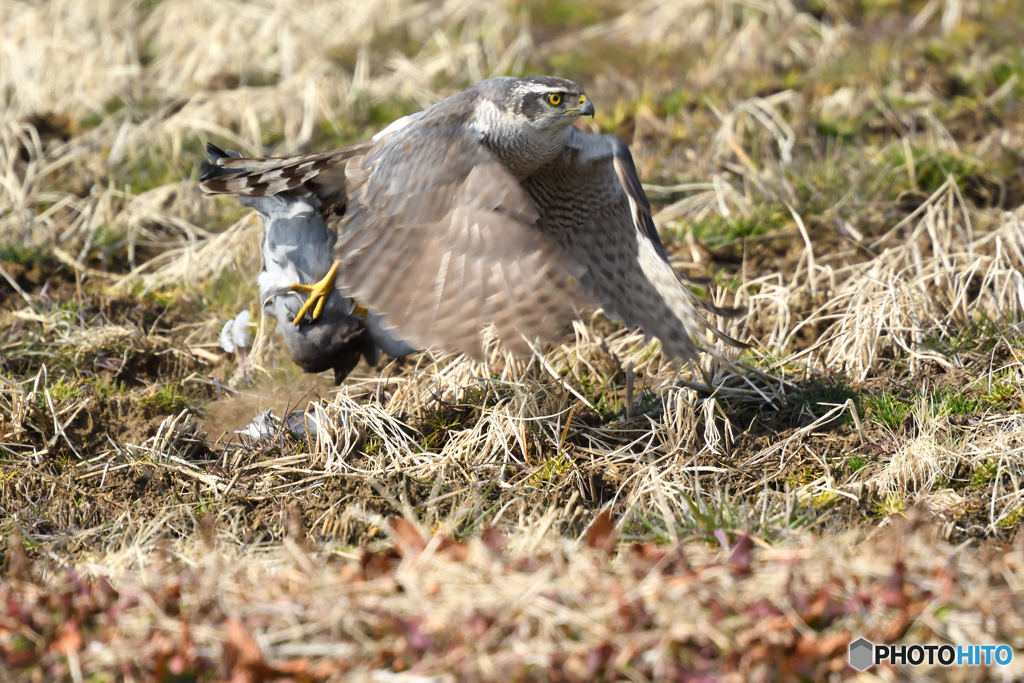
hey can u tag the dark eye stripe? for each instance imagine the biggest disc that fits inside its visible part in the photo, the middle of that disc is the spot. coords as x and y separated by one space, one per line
535 104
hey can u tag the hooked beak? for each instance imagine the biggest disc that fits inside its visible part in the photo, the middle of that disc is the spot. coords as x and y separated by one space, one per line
585 108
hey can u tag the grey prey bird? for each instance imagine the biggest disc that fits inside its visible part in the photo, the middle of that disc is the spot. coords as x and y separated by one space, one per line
490 207
296 251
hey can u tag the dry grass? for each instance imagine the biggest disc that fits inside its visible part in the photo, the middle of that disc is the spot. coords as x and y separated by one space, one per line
848 171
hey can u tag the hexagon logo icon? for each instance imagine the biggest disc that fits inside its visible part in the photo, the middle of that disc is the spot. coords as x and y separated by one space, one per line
862 654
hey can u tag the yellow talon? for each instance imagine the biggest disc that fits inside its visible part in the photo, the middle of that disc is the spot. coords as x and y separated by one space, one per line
318 294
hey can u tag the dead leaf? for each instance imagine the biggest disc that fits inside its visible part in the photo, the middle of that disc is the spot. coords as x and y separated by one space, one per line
493 538
601 534
597 660
723 538
374 565
296 528
248 665
17 563
894 594
457 551
408 537
742 555
68 639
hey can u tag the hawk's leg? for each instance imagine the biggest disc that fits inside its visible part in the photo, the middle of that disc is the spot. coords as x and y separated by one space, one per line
318 294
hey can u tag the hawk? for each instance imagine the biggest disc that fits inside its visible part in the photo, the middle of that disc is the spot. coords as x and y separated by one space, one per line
490 207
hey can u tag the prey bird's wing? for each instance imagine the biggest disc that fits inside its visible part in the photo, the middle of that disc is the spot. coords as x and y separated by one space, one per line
441 240
297 247
592 205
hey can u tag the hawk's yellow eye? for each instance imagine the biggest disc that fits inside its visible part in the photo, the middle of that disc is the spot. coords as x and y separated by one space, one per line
554 99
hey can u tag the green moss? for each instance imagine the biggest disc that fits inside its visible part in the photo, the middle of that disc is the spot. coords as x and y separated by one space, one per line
887 409
1011 67
106 390
153 166
21 254
95 118
825 500
1011 519
893 504
983 475
803 476
932 167
1004 391
560 15
675 102
383 113
891 410
64 390
819 396
955 403
716 229
550 469
170 398
226 294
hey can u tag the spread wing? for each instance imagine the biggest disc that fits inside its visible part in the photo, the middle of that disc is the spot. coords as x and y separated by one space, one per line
593 206
441 240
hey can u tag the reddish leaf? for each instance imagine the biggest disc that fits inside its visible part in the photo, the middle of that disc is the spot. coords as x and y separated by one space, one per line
243 645
742 554
243 656
17 562
68 639
479 623
185 654
723 538
408 536
374 565
295 527
894 594
824 647
248 665
160 649
493 538
597 660
601 535
457 551
304 670
103 593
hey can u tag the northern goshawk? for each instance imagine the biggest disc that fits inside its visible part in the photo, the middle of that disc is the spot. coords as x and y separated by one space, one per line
490 207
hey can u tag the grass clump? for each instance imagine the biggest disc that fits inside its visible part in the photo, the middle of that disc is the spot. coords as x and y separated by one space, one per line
888 409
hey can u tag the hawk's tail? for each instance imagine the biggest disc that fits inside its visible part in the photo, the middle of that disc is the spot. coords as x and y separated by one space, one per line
320 176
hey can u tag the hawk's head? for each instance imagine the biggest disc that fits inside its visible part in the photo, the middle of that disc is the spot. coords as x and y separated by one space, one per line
527 121
539 101
547 100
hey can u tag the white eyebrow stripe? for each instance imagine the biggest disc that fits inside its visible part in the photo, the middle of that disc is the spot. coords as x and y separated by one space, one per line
537 87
